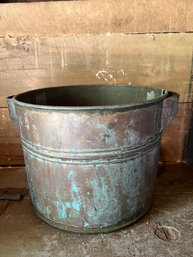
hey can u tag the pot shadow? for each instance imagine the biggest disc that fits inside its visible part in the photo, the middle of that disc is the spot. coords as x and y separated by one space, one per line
173 194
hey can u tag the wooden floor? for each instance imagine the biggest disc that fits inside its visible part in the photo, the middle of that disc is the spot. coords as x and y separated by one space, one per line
166 231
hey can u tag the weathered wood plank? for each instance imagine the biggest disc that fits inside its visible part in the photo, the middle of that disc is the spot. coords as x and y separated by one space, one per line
161 60
72 17
190 133
173 144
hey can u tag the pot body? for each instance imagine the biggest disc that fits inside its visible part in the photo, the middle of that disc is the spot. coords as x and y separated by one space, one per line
92 170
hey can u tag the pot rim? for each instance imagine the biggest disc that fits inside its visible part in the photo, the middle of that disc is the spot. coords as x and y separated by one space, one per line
94 107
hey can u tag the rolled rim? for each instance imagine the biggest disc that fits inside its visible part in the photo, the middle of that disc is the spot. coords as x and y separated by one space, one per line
163 95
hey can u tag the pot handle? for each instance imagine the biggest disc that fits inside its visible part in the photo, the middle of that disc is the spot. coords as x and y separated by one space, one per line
169 109
11 109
